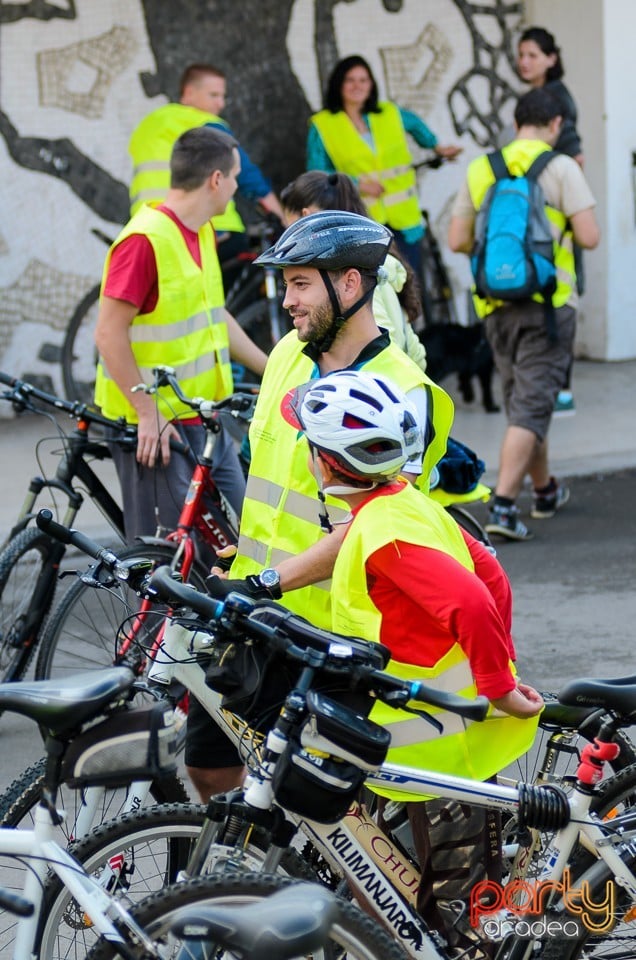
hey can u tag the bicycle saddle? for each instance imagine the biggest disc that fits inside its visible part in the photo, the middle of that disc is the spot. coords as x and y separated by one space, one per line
64 705
618 695
287 924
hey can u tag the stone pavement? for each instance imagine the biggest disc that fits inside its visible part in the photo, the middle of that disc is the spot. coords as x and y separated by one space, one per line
600 438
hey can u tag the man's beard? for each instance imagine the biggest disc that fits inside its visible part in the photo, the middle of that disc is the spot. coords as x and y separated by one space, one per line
320 321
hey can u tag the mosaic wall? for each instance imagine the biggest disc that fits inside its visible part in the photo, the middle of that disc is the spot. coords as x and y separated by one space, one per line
77 75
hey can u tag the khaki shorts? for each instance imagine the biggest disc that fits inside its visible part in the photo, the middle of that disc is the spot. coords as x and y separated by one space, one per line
532 367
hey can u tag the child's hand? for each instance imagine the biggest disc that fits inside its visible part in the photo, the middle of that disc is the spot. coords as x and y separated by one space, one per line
522 702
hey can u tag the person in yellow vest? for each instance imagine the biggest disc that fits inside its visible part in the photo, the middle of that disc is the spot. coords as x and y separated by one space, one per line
330 263
532 365
409 577
358 134
201 102
162 303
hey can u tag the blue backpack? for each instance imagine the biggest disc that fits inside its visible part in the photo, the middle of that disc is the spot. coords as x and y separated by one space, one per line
513 252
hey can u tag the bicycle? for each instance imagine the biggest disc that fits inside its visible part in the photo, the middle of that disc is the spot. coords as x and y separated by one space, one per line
318 752
30 561
84 736
175 662
253 299
84 625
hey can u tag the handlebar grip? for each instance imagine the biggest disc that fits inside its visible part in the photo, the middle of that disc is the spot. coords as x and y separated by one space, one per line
180 447
172 592
476 709
67 535
7 380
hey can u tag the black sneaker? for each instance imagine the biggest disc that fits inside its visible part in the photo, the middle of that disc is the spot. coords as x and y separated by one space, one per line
545 505
505 522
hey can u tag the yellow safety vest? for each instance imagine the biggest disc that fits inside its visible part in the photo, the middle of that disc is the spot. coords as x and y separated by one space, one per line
187 328
519 156
150 147
280 510
389 161
464 748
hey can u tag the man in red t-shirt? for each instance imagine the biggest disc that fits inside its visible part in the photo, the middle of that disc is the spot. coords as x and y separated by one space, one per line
132 314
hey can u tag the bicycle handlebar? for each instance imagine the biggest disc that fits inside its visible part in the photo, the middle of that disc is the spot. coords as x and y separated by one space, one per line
23 393
237 404
333 655
392 690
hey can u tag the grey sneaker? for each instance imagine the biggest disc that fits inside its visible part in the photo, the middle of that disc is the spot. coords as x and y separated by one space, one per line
545 505
505 522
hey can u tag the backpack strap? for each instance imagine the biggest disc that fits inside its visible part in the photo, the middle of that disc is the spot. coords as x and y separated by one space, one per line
498 165
539 164
533 172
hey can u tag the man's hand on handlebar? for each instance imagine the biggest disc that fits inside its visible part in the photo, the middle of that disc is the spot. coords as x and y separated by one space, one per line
153 437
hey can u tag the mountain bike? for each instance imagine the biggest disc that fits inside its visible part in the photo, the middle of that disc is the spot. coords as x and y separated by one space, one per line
85 739
83 629
141 840
29 560
320 749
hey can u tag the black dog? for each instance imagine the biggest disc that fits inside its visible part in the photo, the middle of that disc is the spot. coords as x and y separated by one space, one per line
452 348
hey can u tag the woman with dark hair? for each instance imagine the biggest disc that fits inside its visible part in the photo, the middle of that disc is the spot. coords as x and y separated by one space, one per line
396 300
358 134
539 64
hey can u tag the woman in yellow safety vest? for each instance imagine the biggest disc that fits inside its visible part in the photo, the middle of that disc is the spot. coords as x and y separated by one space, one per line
408 576
358 134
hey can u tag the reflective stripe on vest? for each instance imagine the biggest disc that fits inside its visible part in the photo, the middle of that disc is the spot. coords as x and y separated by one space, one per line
389 161
187 328
464 748
280 510
150 147
519 156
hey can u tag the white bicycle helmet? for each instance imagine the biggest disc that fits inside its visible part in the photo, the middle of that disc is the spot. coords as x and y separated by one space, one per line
364 424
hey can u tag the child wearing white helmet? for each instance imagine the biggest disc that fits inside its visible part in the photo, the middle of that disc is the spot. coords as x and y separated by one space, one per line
408 576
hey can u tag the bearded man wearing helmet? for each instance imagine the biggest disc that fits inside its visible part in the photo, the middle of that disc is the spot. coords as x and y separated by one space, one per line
409 577
330 262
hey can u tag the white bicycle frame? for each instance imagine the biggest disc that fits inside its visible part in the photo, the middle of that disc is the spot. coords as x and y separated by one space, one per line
388 888
43 853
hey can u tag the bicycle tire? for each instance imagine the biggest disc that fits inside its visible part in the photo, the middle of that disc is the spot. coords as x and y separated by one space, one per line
611 795
17 806
82 630
79 354
23 563
469 523
354 934
155 845
437 292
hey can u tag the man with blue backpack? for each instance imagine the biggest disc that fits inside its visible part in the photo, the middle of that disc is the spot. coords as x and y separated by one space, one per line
518 214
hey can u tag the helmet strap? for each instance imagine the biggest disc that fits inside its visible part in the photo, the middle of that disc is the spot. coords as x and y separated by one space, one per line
340 317
323 514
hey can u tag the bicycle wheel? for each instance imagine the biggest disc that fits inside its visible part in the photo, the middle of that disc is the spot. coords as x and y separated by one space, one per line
255 321
17 808
437 292
353 935
79 354
607 903
83 630
26 573
139 854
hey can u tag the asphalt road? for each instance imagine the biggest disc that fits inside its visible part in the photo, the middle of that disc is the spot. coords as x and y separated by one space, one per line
575 598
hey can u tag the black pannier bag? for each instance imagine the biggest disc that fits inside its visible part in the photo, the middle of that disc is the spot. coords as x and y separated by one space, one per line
136 744
319 774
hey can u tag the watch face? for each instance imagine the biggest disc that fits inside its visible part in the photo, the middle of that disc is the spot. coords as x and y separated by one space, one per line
269 578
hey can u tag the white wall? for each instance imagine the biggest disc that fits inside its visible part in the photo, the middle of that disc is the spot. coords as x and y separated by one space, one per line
596 41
